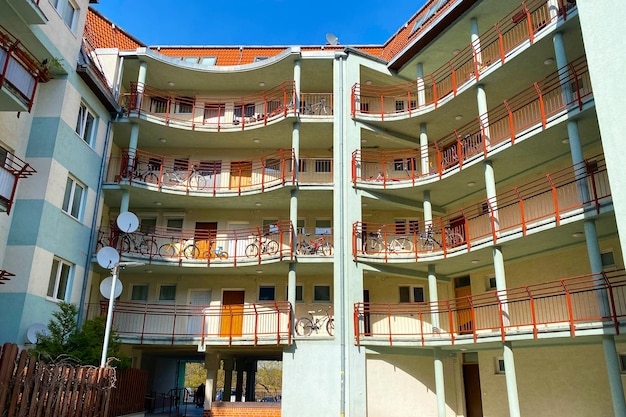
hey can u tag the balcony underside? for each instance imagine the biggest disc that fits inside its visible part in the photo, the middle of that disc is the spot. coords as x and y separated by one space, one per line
29 11
11 101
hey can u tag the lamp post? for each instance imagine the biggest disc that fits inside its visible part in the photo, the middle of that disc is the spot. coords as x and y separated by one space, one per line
107 330
109 258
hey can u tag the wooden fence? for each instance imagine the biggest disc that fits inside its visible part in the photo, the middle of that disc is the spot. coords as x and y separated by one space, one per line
129 394
29 387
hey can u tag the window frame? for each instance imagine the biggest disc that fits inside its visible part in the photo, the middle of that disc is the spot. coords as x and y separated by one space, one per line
498 365
161 295
84 129
271 288
70 199
52 292
322 300
411 294
132 292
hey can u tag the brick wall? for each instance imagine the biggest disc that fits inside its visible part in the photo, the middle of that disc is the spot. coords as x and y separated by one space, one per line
220 409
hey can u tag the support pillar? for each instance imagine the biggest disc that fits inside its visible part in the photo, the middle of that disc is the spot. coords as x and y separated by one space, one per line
439 383
228 378
511 380
239 367
251 367
424 157
211 364
421 92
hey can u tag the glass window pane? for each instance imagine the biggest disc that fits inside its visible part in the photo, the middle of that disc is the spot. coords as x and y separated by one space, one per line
64 278
68 193
167 293
321 293
53 278
405 295
78 195
267 293
139 293
418 294
298 292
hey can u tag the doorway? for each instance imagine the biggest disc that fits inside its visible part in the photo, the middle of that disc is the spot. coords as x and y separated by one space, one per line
367 331
232 313
195 324
462 292
240 174
204 238
471 385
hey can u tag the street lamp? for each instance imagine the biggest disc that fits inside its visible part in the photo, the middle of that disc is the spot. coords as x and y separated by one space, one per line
109 258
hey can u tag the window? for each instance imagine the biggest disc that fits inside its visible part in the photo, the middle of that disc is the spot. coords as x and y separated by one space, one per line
323 165
191 59
300 227
70 15
365 107
167 293
210 168
321 293
622 362
399 105
491 283
323 227
214 111
184 105
147 225
298 293
174 224
409 164
85 123
267 293
301 166
208 60
405 227
181 164
499 365
411 294
158 105
139 293
608 259
248 110
260 58
72 201
59 279
272 165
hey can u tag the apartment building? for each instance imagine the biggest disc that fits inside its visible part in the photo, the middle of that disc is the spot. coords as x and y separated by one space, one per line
54 117
444 208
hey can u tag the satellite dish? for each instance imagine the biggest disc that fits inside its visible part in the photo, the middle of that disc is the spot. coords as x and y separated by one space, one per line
107 257
127 222
331 39
33 332
105 287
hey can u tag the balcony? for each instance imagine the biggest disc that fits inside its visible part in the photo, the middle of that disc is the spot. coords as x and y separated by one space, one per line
496 45
20 72
217 114
169 174
29 11
557 198
12 169
520 117
570 307
255 324
209 248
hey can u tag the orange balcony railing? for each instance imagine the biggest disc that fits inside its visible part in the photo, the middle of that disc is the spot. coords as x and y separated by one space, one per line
495 45
524 114
20 71
246 324
167 245
572 305
518 212
12 169
211 113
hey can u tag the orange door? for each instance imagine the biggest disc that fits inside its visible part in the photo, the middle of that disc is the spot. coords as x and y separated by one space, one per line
464 312
232 314
205 238
240 174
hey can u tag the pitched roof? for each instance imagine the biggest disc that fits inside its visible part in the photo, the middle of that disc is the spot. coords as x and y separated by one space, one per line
102 33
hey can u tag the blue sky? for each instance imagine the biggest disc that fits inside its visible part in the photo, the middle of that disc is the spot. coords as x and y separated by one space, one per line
268 22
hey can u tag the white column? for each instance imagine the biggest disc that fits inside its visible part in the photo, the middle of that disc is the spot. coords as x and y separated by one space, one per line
425 160
421 93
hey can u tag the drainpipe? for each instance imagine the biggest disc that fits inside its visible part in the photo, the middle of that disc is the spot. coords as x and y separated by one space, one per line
338 117
94 221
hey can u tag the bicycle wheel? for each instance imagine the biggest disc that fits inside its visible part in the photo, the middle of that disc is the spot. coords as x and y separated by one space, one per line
426 244
151 178
304 326
197 182
252 250
330 326
146 247
168 250
453 239
126 244
377 245
191 251
326 249
401 244
271 247
223 255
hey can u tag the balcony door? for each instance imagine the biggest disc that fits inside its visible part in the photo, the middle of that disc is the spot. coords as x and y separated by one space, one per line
232 313
462 292
204 238
195 322
240 174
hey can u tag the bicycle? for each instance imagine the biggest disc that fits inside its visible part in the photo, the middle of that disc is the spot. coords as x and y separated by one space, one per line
138 242
305 326
396 245
427 239
319 246
218 253
262 246
319 108
191 179
173 249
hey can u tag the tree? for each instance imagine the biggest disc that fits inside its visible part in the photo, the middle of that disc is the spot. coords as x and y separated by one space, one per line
269 377
64 341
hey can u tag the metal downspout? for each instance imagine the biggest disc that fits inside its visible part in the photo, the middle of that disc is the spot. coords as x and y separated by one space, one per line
94 233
